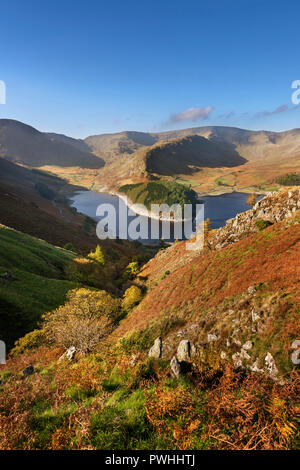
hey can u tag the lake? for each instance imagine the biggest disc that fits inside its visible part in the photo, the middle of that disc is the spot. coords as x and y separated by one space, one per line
217 208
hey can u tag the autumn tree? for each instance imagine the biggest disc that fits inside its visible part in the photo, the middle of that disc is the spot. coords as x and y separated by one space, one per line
97 255
132 296
85 319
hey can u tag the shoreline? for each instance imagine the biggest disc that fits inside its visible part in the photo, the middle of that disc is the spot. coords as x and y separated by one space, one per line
147 213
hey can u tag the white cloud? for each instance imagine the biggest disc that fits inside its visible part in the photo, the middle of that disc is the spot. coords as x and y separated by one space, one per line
192 114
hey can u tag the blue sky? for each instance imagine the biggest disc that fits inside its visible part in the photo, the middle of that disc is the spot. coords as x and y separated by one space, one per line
83 68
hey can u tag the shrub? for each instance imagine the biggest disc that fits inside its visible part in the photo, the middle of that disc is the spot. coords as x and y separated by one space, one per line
132 296
262 224
97 255
69 247
85 319
32 340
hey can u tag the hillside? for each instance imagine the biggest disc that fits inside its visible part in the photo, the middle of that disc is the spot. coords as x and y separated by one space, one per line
201 360
32 281
24 144
210 158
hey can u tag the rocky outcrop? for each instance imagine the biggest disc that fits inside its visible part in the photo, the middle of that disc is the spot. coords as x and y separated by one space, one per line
272 208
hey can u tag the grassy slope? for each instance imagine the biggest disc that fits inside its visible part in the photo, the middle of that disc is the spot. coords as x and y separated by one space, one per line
39 286
211 285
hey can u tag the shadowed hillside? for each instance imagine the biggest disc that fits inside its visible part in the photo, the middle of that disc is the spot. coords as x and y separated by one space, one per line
188 154
24 144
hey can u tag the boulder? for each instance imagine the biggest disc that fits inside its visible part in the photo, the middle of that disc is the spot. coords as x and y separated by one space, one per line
176 367
184 351
271 366
69 354
156 350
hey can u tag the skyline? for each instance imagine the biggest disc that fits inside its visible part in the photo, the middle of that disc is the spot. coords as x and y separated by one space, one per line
93 68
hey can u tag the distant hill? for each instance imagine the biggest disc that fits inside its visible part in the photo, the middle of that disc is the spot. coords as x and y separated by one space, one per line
24 144
210 158
111 146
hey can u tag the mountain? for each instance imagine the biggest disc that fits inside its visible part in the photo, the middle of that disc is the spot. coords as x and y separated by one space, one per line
23 144
209 158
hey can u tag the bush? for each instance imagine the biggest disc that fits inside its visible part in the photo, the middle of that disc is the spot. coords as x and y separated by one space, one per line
262 224
32 340
97 255
131 298
85 319
69 247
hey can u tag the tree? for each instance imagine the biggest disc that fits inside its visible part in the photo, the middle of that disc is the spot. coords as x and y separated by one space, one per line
85 319
252 199
132 296
97 255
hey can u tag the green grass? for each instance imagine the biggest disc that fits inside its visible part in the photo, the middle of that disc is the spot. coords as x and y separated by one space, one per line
38 285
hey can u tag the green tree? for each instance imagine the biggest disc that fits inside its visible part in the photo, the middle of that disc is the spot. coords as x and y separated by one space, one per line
132 296
97 255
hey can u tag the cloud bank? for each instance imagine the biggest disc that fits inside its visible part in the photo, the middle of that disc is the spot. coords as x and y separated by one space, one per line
192 114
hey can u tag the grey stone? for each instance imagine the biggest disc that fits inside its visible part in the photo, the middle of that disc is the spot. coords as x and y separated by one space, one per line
248 345
156 350
211 337
69 354
251 290
184 350
271 366
176 367
223 355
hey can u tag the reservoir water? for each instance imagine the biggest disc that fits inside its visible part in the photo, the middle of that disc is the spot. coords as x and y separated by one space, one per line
217 208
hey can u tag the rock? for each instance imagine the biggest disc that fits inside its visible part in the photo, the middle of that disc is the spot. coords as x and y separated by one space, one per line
133 360
69 354
251 290
223 355
184 351
237 361
7 276
244 355
211 337
176 367
255 317
236 342
28 371
156 350
248 345
271 366
254 367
